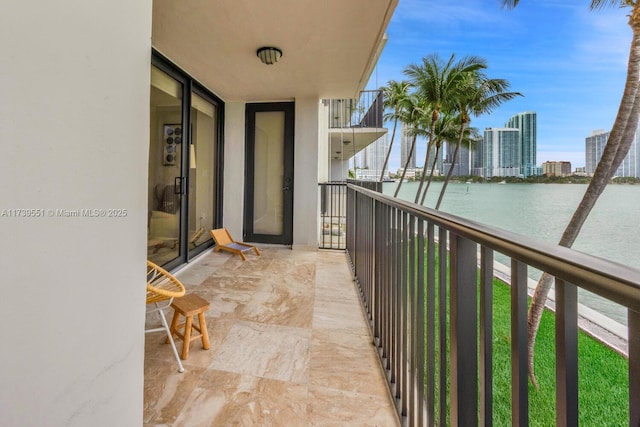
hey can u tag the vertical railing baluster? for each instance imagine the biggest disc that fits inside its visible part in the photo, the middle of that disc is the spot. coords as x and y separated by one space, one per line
431 324
323 207
385 261
464 326
366 260
411 322
397 340
519 385
377 273
442 323
372 267
420 319
354 238
332 208
404 283
566 354
633 320
351 220
486 337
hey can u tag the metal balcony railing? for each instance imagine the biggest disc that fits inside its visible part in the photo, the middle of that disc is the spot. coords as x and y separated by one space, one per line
389 241
333 215
365 112
333 211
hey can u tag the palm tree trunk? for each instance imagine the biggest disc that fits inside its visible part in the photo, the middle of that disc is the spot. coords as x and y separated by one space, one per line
424 169
432 130
618 144
386 159
404 171
453 163
433 166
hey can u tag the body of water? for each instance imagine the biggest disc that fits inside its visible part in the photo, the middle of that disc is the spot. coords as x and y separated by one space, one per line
542 211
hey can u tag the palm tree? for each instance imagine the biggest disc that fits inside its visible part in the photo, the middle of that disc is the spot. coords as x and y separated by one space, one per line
446 130
394 94
618 144
476 95
437 82
415 116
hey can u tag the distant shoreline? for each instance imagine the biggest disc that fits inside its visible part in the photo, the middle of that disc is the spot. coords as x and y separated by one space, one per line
573 179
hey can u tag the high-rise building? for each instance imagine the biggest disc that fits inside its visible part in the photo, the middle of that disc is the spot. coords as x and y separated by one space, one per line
462 166
406 139
594 146
476 160
372 159
556 168
501 152
437 168
526 123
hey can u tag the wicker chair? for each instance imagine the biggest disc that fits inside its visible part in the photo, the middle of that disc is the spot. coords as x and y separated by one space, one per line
162 288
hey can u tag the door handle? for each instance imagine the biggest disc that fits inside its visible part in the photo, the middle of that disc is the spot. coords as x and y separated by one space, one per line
178 185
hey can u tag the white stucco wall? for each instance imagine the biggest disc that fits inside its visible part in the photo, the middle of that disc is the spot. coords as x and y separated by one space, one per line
323 143
339 170
234 141
305 192
74 124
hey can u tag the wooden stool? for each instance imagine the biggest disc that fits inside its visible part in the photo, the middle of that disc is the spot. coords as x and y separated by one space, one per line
188 306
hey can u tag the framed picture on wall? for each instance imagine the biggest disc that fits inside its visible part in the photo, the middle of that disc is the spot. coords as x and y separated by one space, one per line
171 140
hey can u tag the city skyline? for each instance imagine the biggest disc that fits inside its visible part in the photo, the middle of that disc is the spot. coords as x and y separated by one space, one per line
594 146
569 62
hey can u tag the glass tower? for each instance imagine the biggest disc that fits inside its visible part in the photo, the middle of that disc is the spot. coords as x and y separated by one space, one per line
501 152
526 123
594 146
405 147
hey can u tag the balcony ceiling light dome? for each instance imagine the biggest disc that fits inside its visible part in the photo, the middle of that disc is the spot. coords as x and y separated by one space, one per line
269 55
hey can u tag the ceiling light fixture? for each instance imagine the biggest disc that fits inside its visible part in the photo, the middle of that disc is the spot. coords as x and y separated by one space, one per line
269 55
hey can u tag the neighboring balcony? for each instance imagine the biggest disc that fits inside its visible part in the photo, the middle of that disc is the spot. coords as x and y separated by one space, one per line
354 124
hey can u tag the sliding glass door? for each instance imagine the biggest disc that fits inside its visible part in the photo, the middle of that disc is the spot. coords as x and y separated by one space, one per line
185 185
165 191
202 162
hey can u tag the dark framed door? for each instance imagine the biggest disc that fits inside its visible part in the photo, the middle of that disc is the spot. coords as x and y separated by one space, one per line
269 147
185 165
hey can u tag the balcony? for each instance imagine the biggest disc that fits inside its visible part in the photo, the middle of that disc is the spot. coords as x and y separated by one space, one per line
354 124
292 343
333 211
289 346
426 280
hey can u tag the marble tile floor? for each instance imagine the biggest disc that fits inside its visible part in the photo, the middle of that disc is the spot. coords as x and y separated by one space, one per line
289 347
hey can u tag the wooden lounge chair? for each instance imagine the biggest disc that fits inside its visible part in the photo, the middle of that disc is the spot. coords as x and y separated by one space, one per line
225 242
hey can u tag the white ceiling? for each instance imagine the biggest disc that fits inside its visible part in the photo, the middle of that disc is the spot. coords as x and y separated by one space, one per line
329 46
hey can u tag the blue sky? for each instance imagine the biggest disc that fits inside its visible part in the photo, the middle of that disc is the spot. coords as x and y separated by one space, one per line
568 61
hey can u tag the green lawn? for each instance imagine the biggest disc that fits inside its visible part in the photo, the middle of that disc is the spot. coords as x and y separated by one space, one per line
602 372
603 382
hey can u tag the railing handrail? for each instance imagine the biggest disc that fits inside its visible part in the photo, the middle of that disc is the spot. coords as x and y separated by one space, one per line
616 282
